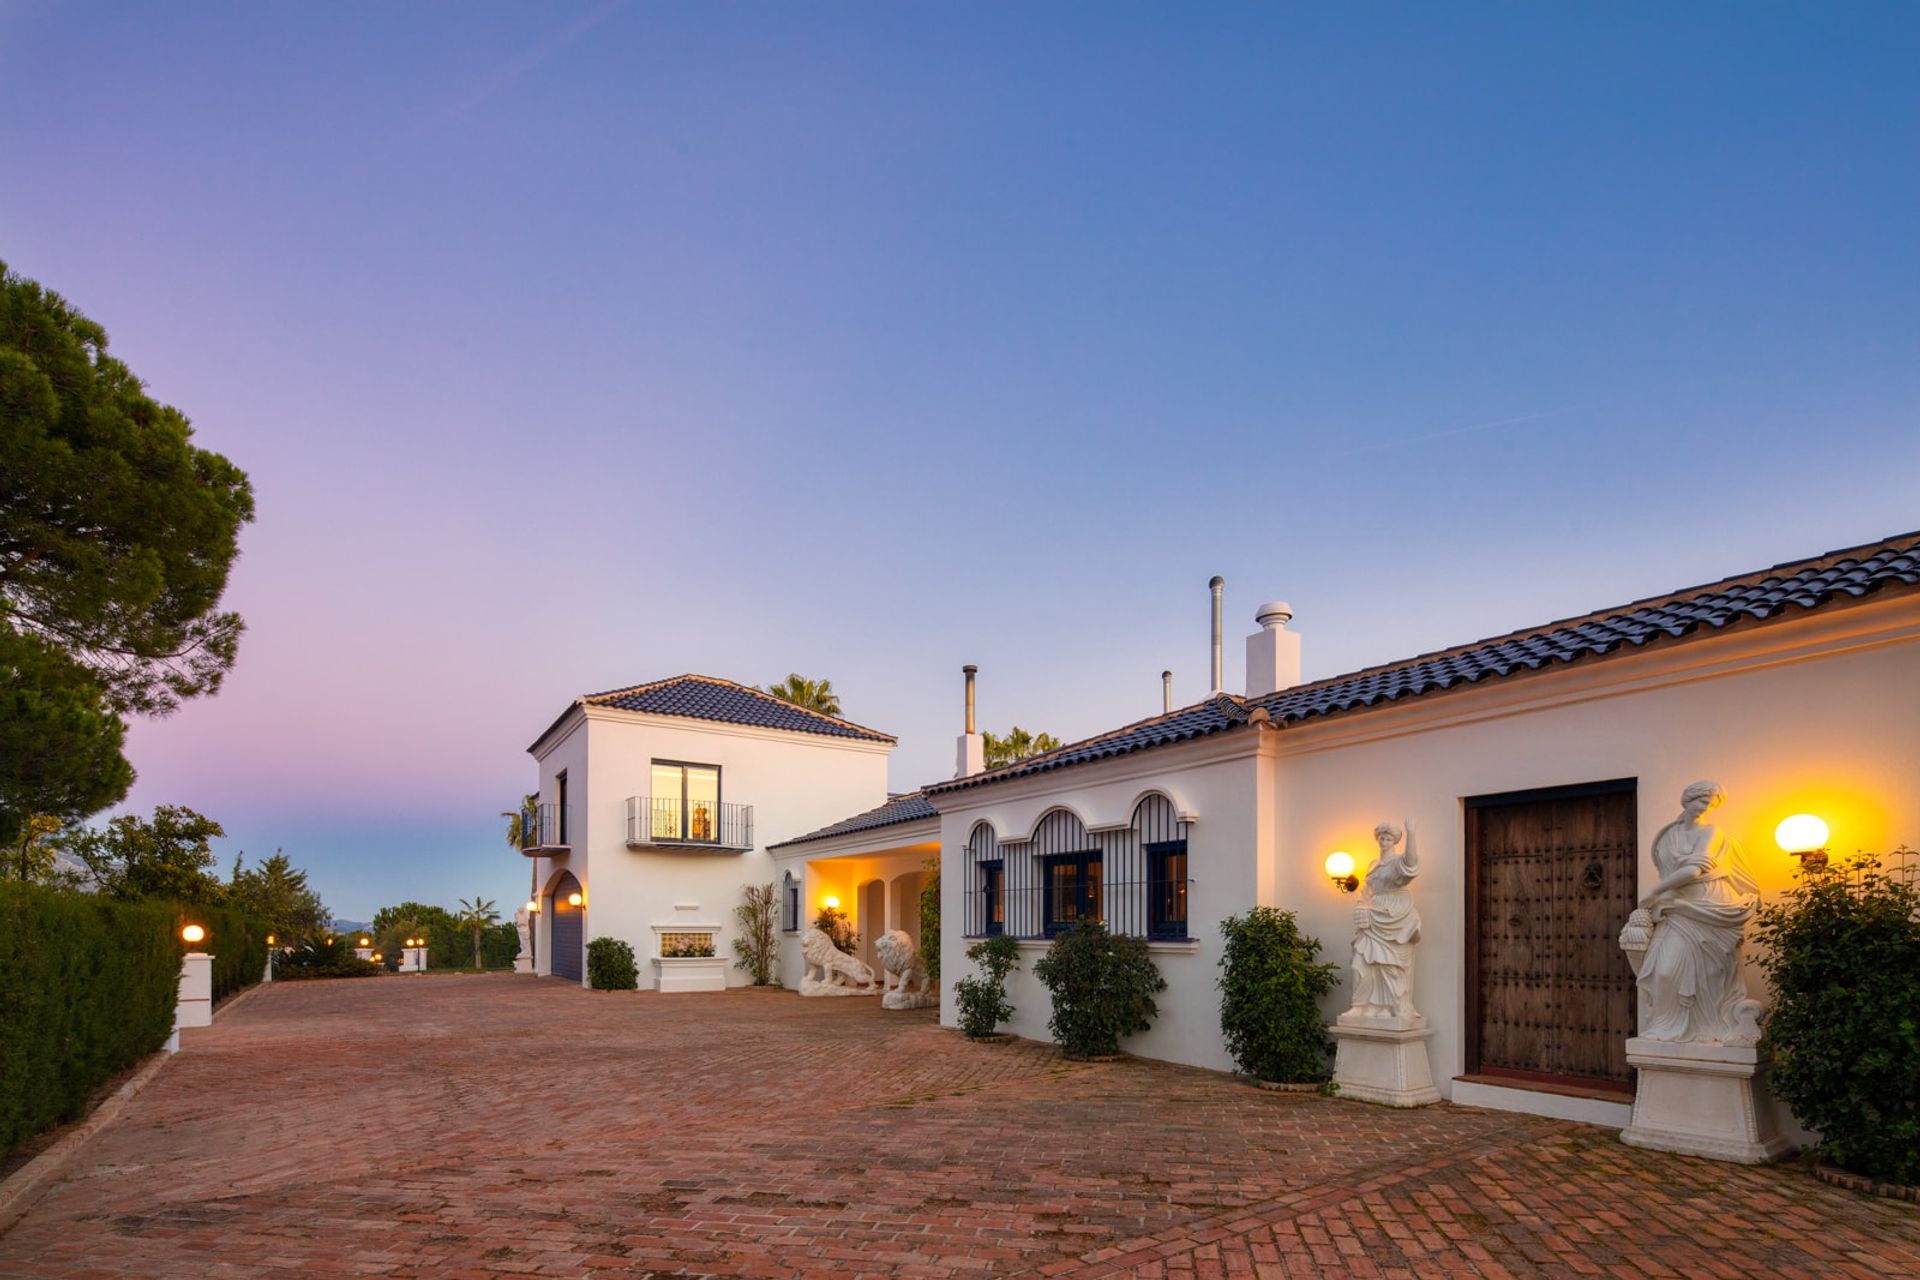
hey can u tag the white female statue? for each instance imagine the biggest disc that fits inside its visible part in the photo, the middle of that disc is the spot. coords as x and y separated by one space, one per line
1690 983
1388 926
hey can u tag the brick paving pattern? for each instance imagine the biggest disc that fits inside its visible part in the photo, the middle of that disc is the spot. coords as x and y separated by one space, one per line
478 1127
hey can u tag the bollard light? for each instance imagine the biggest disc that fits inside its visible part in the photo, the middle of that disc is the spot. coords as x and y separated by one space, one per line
193 934
1339 868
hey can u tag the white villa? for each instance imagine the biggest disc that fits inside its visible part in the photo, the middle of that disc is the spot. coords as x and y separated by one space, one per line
1537 766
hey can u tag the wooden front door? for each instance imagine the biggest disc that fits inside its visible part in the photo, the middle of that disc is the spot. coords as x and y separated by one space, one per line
1552 877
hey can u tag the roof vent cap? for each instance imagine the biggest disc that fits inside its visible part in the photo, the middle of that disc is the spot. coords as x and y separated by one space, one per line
1274 613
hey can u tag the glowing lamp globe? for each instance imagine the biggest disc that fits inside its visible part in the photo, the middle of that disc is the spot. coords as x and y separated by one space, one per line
533 905
192 934
830 902
574 899
1802 833
1339 868
269 939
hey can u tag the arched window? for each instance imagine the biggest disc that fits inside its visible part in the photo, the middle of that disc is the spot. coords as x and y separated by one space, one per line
1072 872
790 904
1162 841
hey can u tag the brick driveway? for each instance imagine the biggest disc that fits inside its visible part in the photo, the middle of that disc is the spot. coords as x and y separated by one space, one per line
459 1126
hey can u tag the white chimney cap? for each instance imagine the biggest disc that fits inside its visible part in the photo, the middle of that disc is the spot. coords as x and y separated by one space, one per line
1274 613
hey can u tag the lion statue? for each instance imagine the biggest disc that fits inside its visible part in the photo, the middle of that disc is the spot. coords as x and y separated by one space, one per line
831 971
900 958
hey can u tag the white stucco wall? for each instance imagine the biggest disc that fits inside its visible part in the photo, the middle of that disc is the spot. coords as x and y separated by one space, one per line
1821 715
796 782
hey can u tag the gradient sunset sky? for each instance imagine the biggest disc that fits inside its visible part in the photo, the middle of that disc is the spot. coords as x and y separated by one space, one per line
574 346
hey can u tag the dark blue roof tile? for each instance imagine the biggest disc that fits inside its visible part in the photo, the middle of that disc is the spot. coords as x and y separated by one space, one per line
911 807
709 698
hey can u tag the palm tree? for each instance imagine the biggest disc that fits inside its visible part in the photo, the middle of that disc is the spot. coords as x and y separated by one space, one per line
1017 745
477 915
814 695
518 824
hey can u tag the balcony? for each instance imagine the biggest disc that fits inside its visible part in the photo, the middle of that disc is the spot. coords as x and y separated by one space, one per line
544 830
699 825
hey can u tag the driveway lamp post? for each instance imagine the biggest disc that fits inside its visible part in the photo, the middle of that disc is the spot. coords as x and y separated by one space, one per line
194 1007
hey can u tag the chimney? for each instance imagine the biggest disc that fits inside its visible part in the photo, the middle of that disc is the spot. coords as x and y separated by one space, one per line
1166 691
1219 678
972 754
1273 652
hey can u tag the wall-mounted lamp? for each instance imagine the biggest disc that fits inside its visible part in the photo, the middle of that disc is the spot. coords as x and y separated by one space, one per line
1805 837
574 899
269 939
1340 871
533 906
193 935
830 902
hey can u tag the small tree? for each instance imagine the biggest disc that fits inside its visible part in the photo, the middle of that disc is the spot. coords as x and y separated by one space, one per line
1270 988
1016 746
478 916
1103 987
1843 949
838 927
755 944
278 893
930 920
611 966
983 999
168 857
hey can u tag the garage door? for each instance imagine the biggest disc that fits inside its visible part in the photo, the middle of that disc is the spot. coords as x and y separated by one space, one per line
568 929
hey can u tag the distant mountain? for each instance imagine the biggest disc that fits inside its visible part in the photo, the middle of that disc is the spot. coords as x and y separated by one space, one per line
351 926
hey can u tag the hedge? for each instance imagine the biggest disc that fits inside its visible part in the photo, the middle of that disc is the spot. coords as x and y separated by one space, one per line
239 945
87 988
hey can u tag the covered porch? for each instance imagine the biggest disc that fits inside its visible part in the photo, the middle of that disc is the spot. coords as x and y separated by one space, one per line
871 866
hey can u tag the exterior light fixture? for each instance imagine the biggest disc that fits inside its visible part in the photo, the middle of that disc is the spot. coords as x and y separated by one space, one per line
366 942
830 902
574 899
378 957
1805 837
1339 868
269 939
533 905
193 934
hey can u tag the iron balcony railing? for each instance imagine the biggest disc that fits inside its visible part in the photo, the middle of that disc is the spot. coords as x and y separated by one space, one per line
545 828
700 824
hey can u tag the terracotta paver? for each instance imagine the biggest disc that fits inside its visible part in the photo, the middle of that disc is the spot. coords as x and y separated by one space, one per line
470 1127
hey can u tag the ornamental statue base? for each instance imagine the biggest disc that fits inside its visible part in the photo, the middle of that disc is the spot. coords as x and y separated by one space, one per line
523 963
1701 1099
1383 1060
817 987
898 999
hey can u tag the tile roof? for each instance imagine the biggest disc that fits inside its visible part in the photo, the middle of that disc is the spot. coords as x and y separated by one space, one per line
911 807
710 698
1796 587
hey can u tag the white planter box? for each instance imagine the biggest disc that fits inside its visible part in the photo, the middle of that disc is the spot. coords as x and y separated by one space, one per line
690 973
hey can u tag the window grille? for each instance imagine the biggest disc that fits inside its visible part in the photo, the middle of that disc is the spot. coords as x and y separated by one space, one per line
1135 878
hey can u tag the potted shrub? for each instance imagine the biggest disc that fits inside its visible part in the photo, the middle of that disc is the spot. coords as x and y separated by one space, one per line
1102 986
1844 1031
983 999
610 965
1271 984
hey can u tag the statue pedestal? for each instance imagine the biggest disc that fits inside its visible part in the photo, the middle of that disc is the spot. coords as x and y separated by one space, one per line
817 987
523 963
1383 1060
897 999
1703 1100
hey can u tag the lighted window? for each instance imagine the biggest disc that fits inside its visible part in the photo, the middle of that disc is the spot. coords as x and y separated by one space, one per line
1167 890
685 802
1073 889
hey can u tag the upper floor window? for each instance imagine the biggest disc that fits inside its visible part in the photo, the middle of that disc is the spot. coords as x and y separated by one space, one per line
790 904
560 785
1072 892
685 801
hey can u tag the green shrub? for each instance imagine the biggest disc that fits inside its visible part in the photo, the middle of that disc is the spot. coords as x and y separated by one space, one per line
930 920
1269 997
983 1000
1844 1031
838 926
611 967
1103 987
87 989
322 958
238 942
758 942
